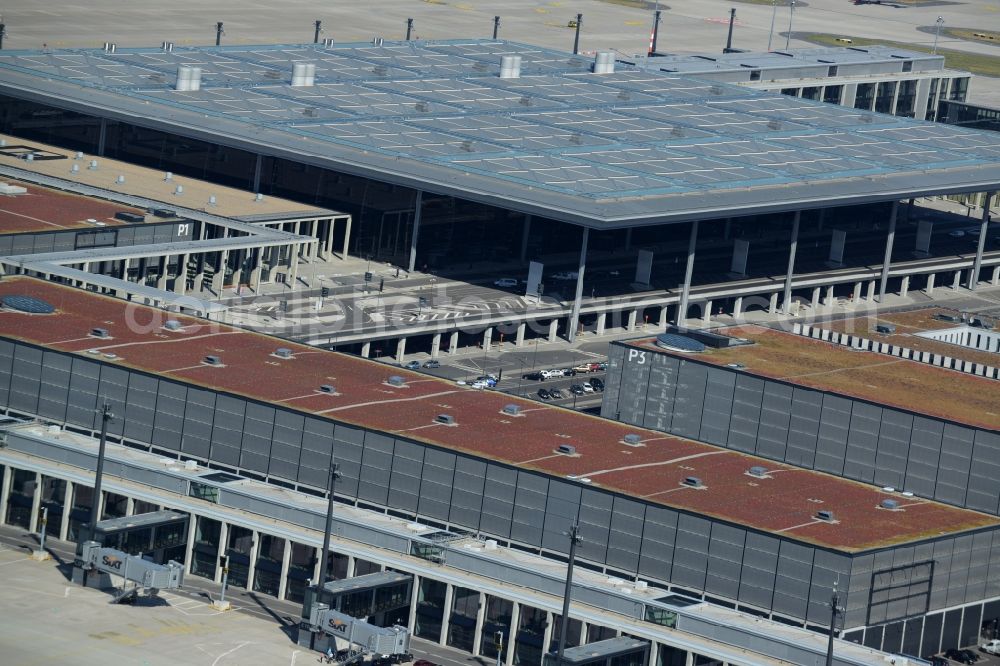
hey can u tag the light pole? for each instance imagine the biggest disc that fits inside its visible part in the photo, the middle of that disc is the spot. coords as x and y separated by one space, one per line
774 14
574 539
576 40
331 483
791 15
937 32
95 505
319 29
409 28
219 32
834 611
496 26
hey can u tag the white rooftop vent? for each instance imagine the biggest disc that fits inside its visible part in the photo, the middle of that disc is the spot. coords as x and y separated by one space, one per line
303 74
120 180
168 175
632 439
445 419
93 165
512 409
758 472
179 189
172 325
99 333
826 515
259 197
888 489
692 481
167 46
641 585
566 449
491 544
377 41
604 62
212 360
327 388
212 200
75 168
395 380
889 504
510 67
190 465
283 352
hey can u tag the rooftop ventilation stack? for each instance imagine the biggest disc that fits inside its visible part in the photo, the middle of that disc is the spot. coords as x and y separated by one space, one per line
510 67
604 62
283 352
445 419
396 380
512 410
825 515
99 333
212 360
172 325
692 481
327 388
566 449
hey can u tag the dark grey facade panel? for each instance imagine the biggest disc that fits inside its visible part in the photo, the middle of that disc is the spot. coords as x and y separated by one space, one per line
993 574
199 410
373 486
595 523
562 510
438 480
42 243
6 243
760 561
803 427
498 499
317 445
858 590
718 407
662 391
407 470
659 534
54 386
862 441
775 415
829 569
609 401
168 423
834 426
954 465
140 407
634 385
625 534
227 430
893 448
979 566
23 244
958 574
529 507
26 373
6 362
942 571
924 456
114 389
725 560
467 492
257 434
286 445
792 579
691 551
984 476
349 446
747 398
688 399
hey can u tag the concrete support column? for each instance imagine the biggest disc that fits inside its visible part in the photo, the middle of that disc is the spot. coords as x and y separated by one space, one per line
688 272
632 316
189 547
449 599
180 281
706 315
311 248
829 295
772 306
515 621
519 339
857 292
525 233
453 344
435 345
5 494
411 622
602 320
574 318
254 550
662 322
366 349
786 305
67 507
553 330
347 238
129 506
738 307
996 276
286 562
199 277
871 291
654 652
889 238
488 339
904 288
36 503
815 298
400 350
161 281
416 231
957 283
221 551
219 279
547 634
978 263
255 270
351 567
477 637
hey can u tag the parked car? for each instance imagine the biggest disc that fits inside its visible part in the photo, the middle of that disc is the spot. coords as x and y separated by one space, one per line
544 394
938 661
556 394
565 275
412 365
969 654
567 372
585 367
576 389
991 647
505 283
549 374
533 376
957 233
424 662
961 656
432 364
587 387
489 380
479 385
597 383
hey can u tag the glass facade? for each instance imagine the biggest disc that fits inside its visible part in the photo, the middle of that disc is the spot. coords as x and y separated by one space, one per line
959 89
205 554
301 564
811 92
238 547
529 646
883 99
115 506
23 486
267 574
865 96
462 621
932 100
497 618
906 99
574 631
54 499
670 656
833 94
430 609
79 515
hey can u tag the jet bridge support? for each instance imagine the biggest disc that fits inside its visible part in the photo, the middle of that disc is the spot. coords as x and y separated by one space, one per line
97 565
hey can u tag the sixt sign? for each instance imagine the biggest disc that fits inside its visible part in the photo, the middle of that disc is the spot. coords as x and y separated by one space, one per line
109 561
336 625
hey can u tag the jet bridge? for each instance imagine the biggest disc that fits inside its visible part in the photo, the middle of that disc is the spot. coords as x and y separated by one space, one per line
98 564
391 643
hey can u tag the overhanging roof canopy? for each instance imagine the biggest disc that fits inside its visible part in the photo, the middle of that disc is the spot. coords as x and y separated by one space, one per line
604 150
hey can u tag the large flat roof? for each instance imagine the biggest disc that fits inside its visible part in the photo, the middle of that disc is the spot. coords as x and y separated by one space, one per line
652 471
42 209
887 380
603 150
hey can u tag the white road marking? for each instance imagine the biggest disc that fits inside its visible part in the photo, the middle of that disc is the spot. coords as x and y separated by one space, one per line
227 652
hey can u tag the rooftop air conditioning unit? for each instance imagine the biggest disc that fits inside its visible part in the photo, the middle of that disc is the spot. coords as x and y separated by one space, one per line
445 419
826 515
172 325
283 352
512 409
212 360
327 388
566 449
890 504
632 439
99 333
396 380
885 329
757 471
692 481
